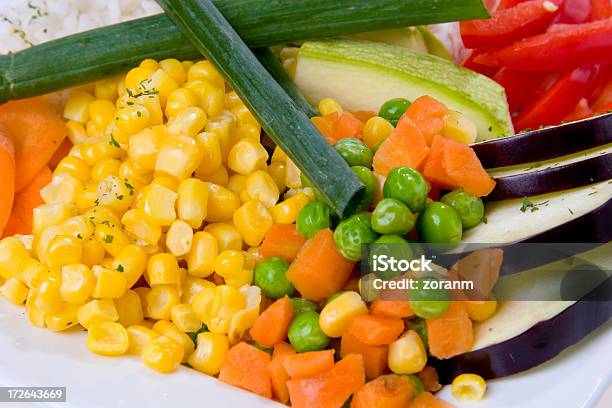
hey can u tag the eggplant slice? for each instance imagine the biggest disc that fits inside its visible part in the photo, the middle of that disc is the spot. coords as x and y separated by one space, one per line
546 143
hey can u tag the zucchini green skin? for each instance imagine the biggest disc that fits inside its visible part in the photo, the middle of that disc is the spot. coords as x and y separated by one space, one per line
95 54
283 121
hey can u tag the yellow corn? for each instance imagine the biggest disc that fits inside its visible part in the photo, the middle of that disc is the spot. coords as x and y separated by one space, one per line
376 130
48 298
12 254
244 319
458 127
77 134
407 354
252 257
201 258
77 106
222 203
205 70
328 105
210 146
150 64
189 121
138 75
211 97
110 284
216 306
93 252
105 168
142 292
14 291
179 238
64 250
224 126
74 166
134 176
112 238
139 228
43 240
192 202
249 131
162 84
191 287
229 263
244 196
164 354
166 328
277 171
86 197
132 262
236 183
96 311
107 88
129 309
108 339
102 215
132 119
62 189
247 156
101 113
219 176
278 156
175 69
62 319
253 221
243 277
244 116
180 99
158 204
226 236
114 193
36 316
160 301
481 310
78 227
286 212
337 314
468 387
77 283
232 100
163 269
210 353
185 319
261 186
144 146
292 175
152 103
179 156
140 337
31 272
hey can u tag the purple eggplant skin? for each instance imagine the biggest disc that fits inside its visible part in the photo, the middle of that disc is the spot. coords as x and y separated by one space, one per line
546 143
537 345
545 181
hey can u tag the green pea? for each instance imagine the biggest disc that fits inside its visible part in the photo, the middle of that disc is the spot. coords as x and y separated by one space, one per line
354 152
392 217
426 302
420 327
418 384
469 207
439 224
408 186
269 275
301 305
352 233
368 178
305 334
312 218
391 246
393 109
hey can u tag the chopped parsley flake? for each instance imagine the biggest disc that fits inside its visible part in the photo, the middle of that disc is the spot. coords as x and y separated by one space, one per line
108 239
113 141
120 268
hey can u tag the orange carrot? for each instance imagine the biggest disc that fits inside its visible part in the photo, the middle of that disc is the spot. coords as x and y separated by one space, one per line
282 349
346 126
427 400
246 367
309 364
428 115
391 308
429 378
387 391
25 202
364 116
272 325
37 132
450 334
325 124
278 374
406 146
481 267
7 178
376 330
60 153
282 240
374 357
464 167
434 170
319 270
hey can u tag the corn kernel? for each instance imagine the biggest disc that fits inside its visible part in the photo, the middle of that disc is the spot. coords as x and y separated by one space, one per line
179 156
211 97
236 183
261 186
244 196
179 238
105 168
162 84
201 258
244 116
292 175
210 353
93 253
249 131
247 156
14 291
64 250
77 283
278 171
458 127
96 311
133 176
226 236
108 339
232 100
229 263
140 337
210 146
252 257
132 119
152 104
142 292
139 228
205 70
192 202
328 105
286 212
245 318
185 319
129 308
43 240
166 328
107 88
158 204
216 307
175 69
76 134
222 203
12 254
150 64
110 284
101 113
36 316
48 298
376 130
407 354
78 227
243 277
160 300
74 166
220 177
92 130
114 193
191 287
163 269
138 75
189 121
62 319
62 189
77 106
31 272
180 99
132 262
468 387
481 310
86 197
253 221
337 314
102 215
166 181
225 127
144 146
164 354
112 238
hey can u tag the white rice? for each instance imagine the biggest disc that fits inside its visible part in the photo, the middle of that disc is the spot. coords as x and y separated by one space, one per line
28 22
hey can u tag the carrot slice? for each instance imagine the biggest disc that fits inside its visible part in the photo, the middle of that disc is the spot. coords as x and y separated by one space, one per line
7 177
364 116
387 391
309 364
346 126
374 357
464 167
278 374
282 240
450 334
406 146
272 325
282 349
428 115
427 400
391 308
37 132
325 124
376 330
20 221
434 170
60 153
246 367
319 270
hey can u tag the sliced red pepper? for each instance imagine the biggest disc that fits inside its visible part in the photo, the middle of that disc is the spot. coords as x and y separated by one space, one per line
505 4
559 101
602 97
582 111
521 87
574 12
481 69
604 109
579 44
601 9
511 24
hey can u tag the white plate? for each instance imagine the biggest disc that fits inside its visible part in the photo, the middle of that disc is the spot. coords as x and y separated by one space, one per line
37 357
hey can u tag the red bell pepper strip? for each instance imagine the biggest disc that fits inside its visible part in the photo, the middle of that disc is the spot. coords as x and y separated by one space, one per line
582 111
506 4
558 101
574 12
604 109
521 87
601 9
508 25
481 69
580 44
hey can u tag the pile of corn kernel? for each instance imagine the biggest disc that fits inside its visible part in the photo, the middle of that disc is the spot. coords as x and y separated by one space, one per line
151 225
